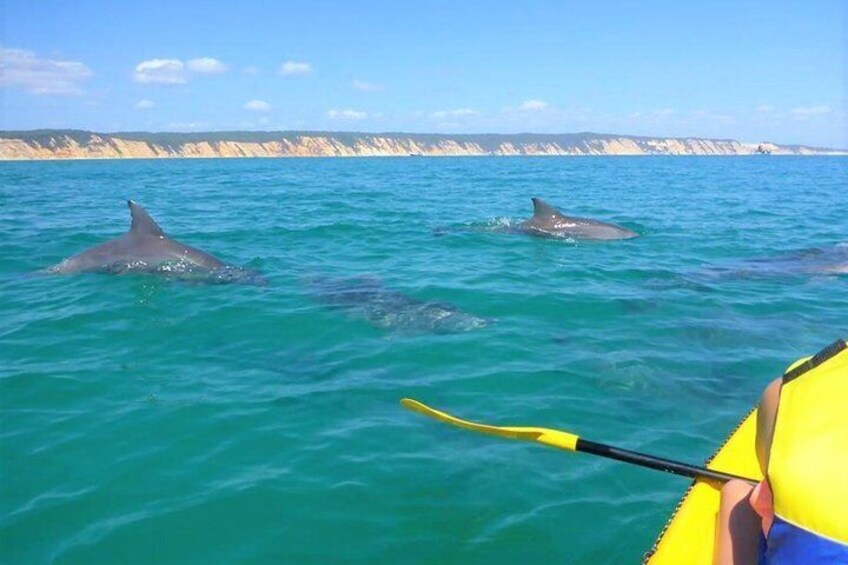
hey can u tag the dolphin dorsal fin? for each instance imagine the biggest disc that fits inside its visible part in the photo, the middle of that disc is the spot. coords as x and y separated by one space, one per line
542 209
142 223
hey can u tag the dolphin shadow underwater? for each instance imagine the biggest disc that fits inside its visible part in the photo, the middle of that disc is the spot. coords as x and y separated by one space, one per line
549 222
821 261
366 298
146 249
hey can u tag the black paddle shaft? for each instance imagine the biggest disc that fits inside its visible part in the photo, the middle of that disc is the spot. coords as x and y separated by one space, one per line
652 462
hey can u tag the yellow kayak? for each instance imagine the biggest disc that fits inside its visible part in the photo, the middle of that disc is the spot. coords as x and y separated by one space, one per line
689 536
690 533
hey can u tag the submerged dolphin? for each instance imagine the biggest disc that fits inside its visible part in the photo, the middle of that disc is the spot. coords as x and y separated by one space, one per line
829 260
547 221
146 249
367 298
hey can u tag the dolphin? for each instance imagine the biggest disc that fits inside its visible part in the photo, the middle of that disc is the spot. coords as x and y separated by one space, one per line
146 249
828 260
368 299
547 221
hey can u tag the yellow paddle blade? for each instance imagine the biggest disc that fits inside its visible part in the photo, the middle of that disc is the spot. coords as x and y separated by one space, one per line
554 438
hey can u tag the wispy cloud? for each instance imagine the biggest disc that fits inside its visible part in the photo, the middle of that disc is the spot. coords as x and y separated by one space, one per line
533 105
807 111
764 109
206 66
346 115
363 86
458 113
160 71
24 69
174 71
292 68
251 70
144 104
257 106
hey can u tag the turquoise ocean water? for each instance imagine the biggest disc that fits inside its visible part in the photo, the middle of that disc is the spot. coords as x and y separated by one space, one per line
149 420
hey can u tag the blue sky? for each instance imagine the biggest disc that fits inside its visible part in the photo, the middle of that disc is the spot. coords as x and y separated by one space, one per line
752 71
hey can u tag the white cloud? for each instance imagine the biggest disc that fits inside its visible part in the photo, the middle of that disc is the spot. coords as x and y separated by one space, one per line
290 68
346 115
805 111
257 106
458 113
144 104
363 86
174 71
160 71
23 69
533 105
206 66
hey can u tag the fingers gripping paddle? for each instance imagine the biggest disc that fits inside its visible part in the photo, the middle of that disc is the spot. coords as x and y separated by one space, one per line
571 442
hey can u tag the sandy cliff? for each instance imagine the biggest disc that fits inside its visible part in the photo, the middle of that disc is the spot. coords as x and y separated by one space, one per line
87 145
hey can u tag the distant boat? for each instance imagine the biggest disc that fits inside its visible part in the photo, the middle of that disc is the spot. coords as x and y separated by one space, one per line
415 154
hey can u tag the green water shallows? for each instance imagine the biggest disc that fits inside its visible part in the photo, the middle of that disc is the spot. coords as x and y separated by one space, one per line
146 420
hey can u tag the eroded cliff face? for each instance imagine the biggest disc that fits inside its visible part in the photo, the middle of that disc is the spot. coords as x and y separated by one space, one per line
85 145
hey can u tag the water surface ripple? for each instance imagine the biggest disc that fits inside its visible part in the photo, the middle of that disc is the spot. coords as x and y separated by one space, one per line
148 420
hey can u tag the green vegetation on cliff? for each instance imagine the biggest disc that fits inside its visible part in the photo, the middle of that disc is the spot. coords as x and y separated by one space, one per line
70 143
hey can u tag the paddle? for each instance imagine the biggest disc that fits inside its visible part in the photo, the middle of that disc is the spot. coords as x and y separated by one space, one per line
571 442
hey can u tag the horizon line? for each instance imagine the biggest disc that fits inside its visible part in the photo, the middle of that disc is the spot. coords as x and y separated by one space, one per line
7 134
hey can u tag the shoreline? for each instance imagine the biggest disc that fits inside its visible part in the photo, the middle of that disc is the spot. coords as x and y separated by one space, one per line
82 145
389 156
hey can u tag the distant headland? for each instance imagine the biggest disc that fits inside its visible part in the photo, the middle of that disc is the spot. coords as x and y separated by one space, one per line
78 144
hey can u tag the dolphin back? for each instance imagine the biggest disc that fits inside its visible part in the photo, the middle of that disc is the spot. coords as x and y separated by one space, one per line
548 221
146 249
